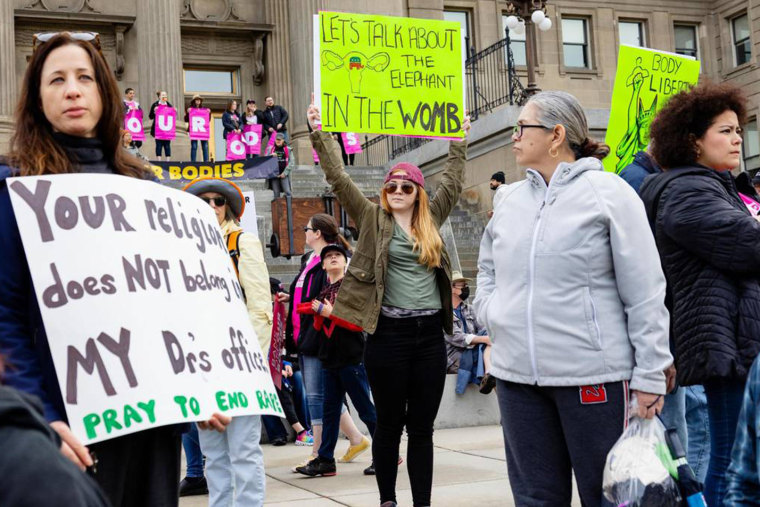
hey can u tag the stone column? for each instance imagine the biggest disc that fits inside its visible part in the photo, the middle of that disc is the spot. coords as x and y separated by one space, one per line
8 76
159 52
277 72
300 28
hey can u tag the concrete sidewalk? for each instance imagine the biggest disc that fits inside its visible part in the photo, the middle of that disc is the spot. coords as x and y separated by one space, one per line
470 469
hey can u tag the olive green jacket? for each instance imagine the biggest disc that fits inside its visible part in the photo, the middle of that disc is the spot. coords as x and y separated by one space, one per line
361 294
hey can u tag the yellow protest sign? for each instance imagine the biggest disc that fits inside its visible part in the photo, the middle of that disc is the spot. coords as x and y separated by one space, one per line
644 80
389 75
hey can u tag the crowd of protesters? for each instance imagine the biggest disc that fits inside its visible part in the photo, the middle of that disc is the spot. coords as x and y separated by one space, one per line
597 294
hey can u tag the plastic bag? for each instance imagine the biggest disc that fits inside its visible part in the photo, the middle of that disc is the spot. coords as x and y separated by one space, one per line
639 467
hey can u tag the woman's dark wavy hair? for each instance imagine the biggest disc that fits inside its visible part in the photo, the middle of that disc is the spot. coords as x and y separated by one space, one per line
687 116
34 150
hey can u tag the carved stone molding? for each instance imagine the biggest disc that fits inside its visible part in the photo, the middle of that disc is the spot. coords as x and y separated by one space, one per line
119 35
258 59
210 10
63 5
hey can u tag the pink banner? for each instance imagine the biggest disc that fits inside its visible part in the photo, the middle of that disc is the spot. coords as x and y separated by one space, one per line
252 139
351 143
166 123
235 146
270 143
199 123
133 123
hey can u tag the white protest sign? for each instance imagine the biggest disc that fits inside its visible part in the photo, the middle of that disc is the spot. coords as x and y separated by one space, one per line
248 220
142 308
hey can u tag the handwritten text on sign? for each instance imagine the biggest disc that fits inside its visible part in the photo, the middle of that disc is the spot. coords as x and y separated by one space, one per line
382 74
142 308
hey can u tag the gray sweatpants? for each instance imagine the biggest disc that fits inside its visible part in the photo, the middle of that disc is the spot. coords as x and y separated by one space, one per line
551 432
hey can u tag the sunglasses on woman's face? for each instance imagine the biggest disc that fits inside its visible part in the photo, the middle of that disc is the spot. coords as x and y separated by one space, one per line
92 37
218 201
406 187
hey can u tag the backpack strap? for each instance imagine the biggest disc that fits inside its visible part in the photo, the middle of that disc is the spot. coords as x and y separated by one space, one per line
233 247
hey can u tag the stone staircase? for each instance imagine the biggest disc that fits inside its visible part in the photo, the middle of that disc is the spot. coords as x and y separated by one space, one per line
308 181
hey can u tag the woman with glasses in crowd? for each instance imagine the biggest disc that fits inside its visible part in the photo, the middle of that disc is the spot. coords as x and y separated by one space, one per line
571 291
67 121
398 289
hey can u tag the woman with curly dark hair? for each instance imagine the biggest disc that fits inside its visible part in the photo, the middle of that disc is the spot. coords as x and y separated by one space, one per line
708 243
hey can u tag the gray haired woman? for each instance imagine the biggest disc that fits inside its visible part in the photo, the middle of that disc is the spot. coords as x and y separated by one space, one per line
572 293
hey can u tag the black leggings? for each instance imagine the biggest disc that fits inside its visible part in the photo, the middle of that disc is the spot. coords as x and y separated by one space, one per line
406 366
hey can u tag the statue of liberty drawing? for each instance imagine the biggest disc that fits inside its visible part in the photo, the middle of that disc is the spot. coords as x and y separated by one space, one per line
636 137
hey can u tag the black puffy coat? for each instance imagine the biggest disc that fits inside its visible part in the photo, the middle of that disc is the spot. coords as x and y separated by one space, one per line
710 250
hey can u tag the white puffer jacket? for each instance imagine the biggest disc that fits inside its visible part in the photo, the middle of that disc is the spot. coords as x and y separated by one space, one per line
570 286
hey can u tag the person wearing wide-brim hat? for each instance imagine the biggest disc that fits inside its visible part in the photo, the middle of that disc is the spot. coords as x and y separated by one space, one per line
236 452
196 103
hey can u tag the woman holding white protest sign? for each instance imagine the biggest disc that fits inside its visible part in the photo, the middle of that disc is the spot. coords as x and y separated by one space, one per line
68 121
234 459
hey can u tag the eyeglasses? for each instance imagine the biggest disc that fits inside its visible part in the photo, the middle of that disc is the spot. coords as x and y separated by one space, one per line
518 129
307 228
92 37
406 187
218 201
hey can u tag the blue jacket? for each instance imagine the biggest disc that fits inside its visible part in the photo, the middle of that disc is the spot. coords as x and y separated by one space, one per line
23 341
642 166
743 476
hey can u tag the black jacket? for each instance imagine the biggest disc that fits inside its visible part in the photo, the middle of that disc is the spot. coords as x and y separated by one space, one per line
308 339
33 471
710 251
274 115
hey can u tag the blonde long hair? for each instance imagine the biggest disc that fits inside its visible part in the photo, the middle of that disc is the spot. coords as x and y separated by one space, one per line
427 239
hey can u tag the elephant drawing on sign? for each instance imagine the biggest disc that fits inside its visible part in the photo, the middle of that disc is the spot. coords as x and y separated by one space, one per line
355 63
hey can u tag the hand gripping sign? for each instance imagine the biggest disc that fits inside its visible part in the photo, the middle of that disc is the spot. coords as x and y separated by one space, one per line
166 123
143 311
199 124
252 139
133 123
235 146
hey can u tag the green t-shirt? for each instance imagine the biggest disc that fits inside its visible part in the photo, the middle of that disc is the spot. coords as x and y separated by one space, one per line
408 284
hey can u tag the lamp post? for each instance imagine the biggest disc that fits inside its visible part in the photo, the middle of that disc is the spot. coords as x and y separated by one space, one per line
524 16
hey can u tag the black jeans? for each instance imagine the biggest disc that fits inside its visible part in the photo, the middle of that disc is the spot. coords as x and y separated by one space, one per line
549 433
140 469
406 366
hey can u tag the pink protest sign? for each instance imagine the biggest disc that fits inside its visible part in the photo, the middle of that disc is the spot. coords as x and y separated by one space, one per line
351 143
199 123
235 146
752 205
270 143
133 123
252 139
166 123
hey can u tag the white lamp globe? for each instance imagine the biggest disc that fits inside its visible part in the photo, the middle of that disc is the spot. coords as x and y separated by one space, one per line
537 16
520 28
512 22
545 24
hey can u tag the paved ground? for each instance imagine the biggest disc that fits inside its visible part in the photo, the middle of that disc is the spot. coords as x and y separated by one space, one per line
469 470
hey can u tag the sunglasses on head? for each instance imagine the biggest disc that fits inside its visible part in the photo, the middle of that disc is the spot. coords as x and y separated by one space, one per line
218 201
406 187
92 37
